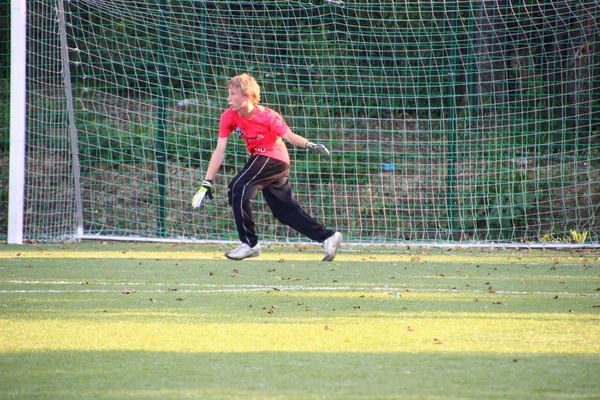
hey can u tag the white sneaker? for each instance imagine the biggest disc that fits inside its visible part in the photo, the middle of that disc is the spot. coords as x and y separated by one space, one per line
243 251
331 246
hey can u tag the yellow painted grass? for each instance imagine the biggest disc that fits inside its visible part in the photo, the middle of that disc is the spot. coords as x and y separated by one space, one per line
308 253
439 331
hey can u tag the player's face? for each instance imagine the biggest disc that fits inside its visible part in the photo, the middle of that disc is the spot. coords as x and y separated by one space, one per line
237 100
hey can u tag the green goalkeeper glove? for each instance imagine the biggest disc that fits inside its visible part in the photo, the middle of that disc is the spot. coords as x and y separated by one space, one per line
205 190
317 148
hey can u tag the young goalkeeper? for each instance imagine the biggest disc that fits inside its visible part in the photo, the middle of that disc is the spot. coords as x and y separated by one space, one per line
267 170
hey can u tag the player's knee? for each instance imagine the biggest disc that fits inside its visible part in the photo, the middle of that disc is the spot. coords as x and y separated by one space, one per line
236 194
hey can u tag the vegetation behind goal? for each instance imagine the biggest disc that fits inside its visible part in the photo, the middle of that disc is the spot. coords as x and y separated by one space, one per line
449 122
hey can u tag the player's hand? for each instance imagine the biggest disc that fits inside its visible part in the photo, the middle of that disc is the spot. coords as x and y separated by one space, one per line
317 148
205 190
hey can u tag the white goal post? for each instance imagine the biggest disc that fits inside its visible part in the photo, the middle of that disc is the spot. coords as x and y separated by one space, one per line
16 190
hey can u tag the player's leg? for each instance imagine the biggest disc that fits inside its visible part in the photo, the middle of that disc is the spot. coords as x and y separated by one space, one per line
286 209
241 190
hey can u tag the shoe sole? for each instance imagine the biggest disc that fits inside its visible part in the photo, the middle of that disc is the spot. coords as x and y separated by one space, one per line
336 247
240 259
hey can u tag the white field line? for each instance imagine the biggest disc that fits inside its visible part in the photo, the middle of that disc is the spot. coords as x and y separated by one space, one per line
213 288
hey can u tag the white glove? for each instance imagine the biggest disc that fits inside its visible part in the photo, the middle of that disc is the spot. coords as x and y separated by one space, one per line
205 190
317 148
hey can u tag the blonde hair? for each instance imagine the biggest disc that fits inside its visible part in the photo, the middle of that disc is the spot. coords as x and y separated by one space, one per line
247 85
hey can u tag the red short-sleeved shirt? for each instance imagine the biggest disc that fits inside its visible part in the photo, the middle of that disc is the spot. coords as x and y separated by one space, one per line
263 133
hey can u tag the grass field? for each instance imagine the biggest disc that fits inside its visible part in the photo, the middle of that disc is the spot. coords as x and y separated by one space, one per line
162 321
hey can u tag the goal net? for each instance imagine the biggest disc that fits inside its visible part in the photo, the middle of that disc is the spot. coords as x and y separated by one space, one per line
450 122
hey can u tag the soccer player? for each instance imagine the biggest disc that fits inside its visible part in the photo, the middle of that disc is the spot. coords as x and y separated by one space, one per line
267 170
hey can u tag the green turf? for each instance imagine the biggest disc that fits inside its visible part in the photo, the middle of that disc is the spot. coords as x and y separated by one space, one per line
160 321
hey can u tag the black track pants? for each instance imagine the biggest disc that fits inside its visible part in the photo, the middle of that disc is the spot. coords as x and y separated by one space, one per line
270 176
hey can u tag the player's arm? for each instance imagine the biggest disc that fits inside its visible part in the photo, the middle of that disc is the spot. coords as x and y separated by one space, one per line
216 160
300 141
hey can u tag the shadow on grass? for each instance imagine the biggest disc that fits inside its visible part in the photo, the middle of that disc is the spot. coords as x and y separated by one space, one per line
293 375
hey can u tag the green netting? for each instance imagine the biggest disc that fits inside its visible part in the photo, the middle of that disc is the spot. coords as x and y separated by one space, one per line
449 121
